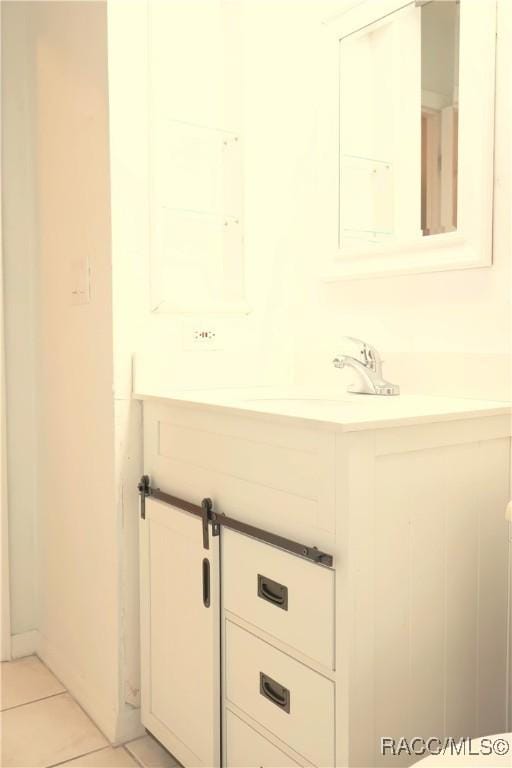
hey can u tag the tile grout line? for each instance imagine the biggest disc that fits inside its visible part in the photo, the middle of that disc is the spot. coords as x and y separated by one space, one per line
108 745
76 757
137 760
100 749
87 715
33 701
132 755
73 757
66 690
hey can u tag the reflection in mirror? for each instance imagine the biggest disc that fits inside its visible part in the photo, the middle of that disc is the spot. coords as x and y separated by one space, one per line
399 126
439 115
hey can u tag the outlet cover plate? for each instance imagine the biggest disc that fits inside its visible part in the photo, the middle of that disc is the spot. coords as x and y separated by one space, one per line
201 335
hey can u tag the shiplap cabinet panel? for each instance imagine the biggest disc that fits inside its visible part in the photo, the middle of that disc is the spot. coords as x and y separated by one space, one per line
180 636
493 562
275 476
440 585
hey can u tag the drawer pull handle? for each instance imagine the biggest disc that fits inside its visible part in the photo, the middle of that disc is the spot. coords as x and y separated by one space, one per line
275 692
273 592
206 582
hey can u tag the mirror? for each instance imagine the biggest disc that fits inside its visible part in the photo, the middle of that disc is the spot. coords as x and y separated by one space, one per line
439 116
398 126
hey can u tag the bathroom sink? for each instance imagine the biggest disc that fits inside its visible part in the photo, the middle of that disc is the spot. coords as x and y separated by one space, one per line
295 399
319 407
299 401
304 397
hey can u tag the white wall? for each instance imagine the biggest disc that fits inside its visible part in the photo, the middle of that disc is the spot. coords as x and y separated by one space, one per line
20 275
252 348
80 565
70 436
60 353
444 333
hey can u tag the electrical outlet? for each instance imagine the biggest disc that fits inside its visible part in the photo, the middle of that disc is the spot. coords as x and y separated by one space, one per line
204 336
197 335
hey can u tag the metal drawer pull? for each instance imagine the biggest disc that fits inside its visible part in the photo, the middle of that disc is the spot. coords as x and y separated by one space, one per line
275 692
273 592
206 582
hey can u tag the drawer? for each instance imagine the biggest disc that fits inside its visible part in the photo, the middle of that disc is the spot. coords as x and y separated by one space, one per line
289 699
246 748
282 594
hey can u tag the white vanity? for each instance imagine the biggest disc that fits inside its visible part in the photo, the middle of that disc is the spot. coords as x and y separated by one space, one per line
260 650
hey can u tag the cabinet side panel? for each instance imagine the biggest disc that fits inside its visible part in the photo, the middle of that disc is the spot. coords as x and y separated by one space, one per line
493 554
435 563
392 574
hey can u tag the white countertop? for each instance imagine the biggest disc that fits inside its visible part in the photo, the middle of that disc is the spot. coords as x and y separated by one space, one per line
348 412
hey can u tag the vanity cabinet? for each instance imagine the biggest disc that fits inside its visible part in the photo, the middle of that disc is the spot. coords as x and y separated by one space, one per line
400 631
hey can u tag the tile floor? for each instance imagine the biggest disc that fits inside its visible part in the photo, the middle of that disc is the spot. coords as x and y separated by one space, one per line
42 725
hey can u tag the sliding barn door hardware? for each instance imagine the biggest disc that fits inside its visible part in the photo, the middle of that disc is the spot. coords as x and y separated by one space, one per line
210 517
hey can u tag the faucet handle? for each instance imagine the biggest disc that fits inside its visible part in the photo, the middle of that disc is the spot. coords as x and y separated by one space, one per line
361 351
366 361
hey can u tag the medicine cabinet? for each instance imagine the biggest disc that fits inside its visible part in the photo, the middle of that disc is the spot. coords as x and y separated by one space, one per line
411 126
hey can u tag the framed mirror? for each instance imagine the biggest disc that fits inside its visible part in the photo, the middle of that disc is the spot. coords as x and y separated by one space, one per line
414 136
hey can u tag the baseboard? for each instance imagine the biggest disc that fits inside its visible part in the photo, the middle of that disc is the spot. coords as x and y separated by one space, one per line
118 725
24 644
129 725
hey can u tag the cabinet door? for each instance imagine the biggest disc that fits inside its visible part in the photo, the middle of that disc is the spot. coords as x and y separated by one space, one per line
180 635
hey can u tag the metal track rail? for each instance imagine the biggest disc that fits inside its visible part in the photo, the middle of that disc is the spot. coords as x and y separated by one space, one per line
208 516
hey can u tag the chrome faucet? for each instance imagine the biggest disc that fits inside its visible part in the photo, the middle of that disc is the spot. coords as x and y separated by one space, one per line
365 359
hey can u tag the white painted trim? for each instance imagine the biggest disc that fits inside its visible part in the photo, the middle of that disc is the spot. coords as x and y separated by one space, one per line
129 725
6 649
471 246
24 644
509 632
5 633
19 500
505 36
363 14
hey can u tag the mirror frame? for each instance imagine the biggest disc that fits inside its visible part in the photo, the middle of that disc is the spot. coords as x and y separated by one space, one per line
470 246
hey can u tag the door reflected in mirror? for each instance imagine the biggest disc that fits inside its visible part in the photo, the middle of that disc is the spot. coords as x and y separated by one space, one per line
439 116
399 126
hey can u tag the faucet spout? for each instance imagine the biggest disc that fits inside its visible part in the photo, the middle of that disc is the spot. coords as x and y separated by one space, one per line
368 367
